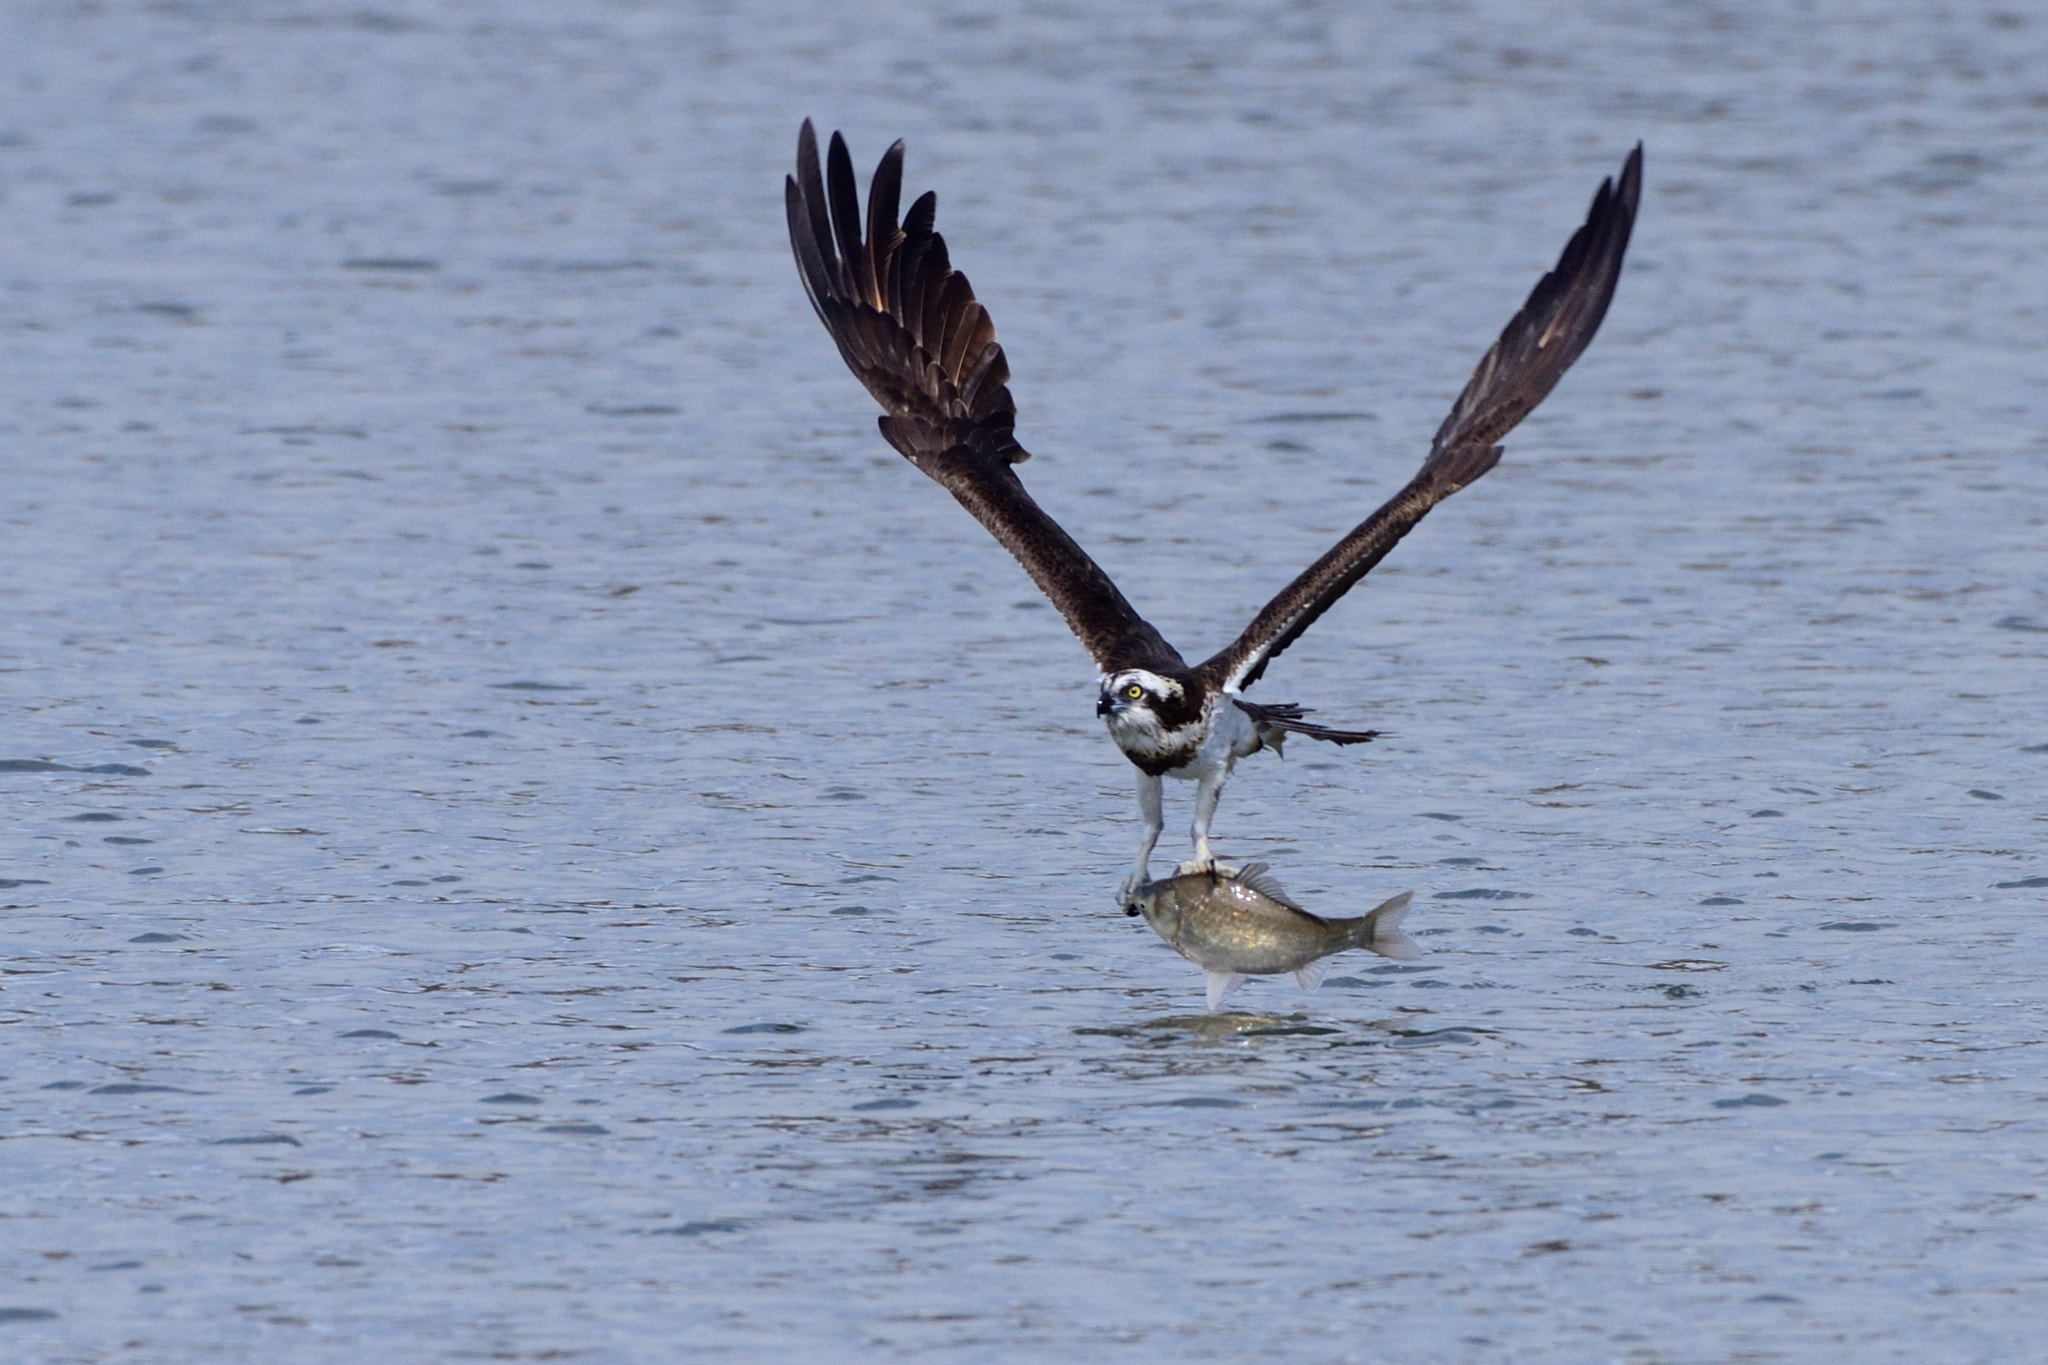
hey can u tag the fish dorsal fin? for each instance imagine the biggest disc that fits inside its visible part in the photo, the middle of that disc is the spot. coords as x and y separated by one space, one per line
1311 976
1259 877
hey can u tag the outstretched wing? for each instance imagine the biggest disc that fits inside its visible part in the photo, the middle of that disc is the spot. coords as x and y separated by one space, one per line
1536 348
909 328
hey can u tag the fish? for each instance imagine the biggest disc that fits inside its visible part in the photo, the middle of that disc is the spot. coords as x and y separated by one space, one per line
1237 922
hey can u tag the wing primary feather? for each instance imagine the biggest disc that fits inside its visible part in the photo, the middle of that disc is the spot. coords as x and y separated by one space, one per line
923 214
809 265
963 316
912 260
884 193
989 369
909 327
1555 324
811 185
845 203
939 306
1552 329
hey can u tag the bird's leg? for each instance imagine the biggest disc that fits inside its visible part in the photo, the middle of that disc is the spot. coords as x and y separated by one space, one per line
1208 791
1150 804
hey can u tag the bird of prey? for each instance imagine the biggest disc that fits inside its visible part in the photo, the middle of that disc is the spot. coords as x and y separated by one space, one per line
910 329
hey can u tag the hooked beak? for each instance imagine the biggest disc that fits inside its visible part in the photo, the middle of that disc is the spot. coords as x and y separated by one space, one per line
1107 705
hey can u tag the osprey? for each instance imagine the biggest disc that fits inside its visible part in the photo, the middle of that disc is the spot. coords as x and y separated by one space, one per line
909 327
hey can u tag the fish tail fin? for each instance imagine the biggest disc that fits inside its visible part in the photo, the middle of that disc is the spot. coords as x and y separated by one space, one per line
1383 930
1220 985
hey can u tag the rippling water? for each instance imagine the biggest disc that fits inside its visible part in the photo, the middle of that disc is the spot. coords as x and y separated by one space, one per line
533 836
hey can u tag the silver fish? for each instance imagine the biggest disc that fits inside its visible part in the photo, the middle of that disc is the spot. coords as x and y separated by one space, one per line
1239 923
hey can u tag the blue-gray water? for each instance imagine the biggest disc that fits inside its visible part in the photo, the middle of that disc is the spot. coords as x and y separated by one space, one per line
624 868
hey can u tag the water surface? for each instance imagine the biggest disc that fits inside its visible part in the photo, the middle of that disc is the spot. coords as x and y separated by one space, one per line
534 836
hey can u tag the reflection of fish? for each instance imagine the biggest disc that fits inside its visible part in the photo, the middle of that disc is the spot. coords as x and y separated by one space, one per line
1239 924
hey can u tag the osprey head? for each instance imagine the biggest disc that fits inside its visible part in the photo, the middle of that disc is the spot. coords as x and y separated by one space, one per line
1135 697
1157 721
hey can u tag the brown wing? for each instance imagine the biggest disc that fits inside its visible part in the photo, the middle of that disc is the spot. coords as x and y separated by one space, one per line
909 328
1533 352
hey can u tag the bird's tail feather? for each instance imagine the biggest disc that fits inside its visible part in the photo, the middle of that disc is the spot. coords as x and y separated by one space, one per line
1276 721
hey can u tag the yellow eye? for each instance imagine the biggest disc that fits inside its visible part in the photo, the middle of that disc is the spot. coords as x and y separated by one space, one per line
1134 691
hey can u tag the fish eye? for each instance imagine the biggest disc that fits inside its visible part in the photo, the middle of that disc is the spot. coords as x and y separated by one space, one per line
1134 691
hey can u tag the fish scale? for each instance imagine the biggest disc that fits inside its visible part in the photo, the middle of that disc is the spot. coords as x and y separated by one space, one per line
1238 922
